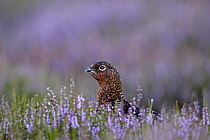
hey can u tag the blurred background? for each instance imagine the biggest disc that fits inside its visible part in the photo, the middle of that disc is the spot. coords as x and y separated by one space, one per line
164 44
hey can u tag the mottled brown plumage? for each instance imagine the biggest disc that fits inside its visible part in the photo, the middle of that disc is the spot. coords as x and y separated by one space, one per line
110 88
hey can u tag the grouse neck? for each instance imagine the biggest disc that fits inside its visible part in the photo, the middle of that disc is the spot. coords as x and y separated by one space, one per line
110 93
114 88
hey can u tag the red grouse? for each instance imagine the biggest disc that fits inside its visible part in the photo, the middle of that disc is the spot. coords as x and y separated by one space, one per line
110 90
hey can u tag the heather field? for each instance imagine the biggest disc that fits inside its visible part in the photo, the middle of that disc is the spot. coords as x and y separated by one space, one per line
163 46
71 117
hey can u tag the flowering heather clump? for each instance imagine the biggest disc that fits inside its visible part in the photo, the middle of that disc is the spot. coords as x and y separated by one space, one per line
69 116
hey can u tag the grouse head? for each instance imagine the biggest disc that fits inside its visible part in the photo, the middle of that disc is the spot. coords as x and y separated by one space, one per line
104 72
110 89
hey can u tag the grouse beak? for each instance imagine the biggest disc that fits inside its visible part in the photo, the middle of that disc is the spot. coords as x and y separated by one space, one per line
91 70
88 69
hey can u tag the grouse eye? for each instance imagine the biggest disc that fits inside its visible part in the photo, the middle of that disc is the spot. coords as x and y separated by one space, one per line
102 68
